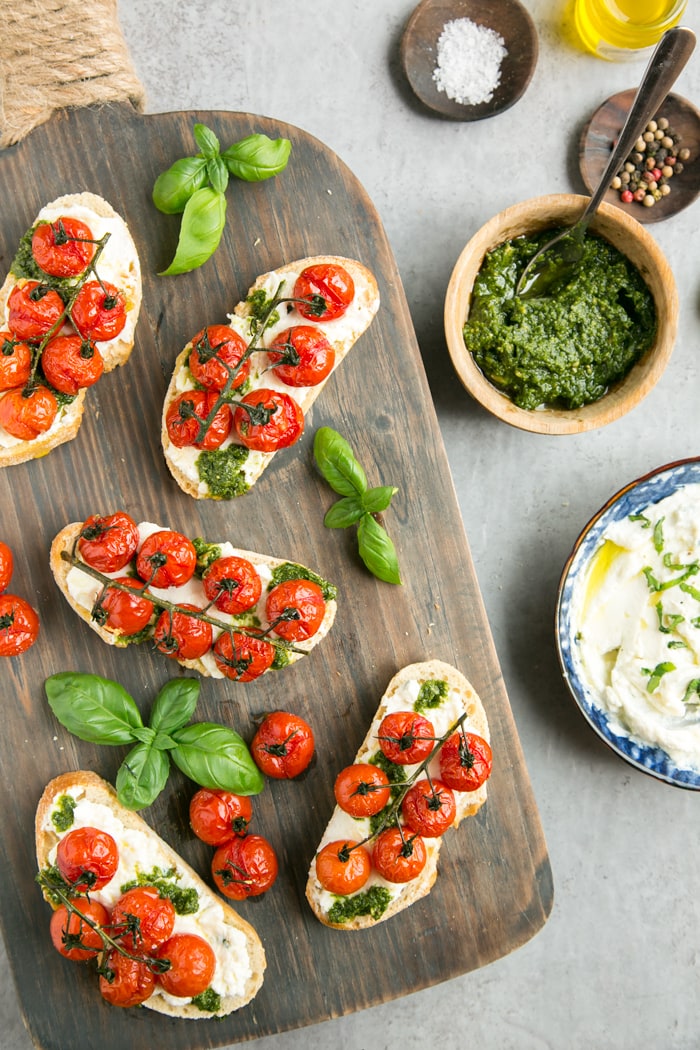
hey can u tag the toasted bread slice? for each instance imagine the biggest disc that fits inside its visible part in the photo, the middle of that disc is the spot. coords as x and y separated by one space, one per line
119 265
240 957
401 695
342 334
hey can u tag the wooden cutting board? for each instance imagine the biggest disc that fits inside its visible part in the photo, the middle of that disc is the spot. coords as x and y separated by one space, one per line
494 890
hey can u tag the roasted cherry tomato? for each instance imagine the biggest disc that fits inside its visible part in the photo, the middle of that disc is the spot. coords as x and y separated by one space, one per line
19 625
15 362
296 608
302 356
142 920
63 248
215 355
192 965
343 867
87 858
99 311
232 584
187 414
429 808
283 745
183 637
124 611
108 543
244 867
166 559
332 283
74 937
71 363
242 657
406 737
399 855
270 421
362 789
26 414
34 310
217 816
465 761
132 982
7 564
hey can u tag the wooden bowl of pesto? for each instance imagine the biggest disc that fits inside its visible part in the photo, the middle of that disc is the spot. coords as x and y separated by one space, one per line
580 357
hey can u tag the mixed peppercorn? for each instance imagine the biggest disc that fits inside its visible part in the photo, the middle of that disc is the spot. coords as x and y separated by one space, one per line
646 174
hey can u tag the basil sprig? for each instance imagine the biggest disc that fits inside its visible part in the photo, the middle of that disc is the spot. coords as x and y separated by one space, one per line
359 503
195 187
102 712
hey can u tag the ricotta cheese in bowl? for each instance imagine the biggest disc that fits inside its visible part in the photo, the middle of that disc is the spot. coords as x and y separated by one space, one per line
628 623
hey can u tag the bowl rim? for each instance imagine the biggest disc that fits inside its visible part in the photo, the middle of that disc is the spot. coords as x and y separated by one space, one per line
646 758
533 215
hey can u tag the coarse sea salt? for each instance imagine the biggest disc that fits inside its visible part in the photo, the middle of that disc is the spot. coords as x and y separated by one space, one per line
469 58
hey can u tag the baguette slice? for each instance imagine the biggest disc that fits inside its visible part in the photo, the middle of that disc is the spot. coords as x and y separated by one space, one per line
119 265
239 952
81 591
341 333
400 695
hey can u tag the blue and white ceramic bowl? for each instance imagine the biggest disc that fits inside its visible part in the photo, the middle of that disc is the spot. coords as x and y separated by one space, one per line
633 498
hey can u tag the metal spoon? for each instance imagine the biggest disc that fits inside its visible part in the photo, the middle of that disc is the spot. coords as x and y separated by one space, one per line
565 250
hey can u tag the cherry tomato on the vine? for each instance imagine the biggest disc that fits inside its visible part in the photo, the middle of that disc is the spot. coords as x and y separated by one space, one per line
187 415
244 867
242 657
108 543
296 609
132 982
302 356
270 420
166 559
142 920
87 858
406 737
343 867
99 311
429 808
283 745
192 965
19 625
7 564
71 363
217 816
362 789
181 636
63 248
214 357
465 761
72 936
232 584
15 362
123 610
26 414
34 309
399 855
330 281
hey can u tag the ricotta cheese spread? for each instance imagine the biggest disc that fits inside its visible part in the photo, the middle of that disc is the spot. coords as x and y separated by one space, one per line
636 618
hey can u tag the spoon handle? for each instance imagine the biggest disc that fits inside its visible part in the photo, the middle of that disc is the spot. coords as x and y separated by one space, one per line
669 57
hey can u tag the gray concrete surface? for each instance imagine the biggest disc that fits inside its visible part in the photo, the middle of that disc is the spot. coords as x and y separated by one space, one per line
618 964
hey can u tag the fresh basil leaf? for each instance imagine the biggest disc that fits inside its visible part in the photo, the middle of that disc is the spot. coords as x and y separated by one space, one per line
377 550
173 189
257 157
93 708
174 705
206 140
217 173
215 756
336 461
163 742
378 499
344 512
203 223
145 735
142 776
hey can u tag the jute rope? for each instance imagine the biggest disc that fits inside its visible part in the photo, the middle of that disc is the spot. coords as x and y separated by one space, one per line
56 54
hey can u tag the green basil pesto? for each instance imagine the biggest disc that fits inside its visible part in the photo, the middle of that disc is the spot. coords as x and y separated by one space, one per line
431 694
221 470
373 901
25 265
289 570
207 553
208 1001
62 815
564 349
184 899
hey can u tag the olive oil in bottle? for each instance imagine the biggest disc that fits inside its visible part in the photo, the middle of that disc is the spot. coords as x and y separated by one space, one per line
624 29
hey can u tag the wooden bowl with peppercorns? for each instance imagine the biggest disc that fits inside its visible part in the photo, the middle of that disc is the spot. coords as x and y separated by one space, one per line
582 355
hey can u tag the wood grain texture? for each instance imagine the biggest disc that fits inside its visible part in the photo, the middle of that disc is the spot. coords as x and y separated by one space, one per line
494 891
